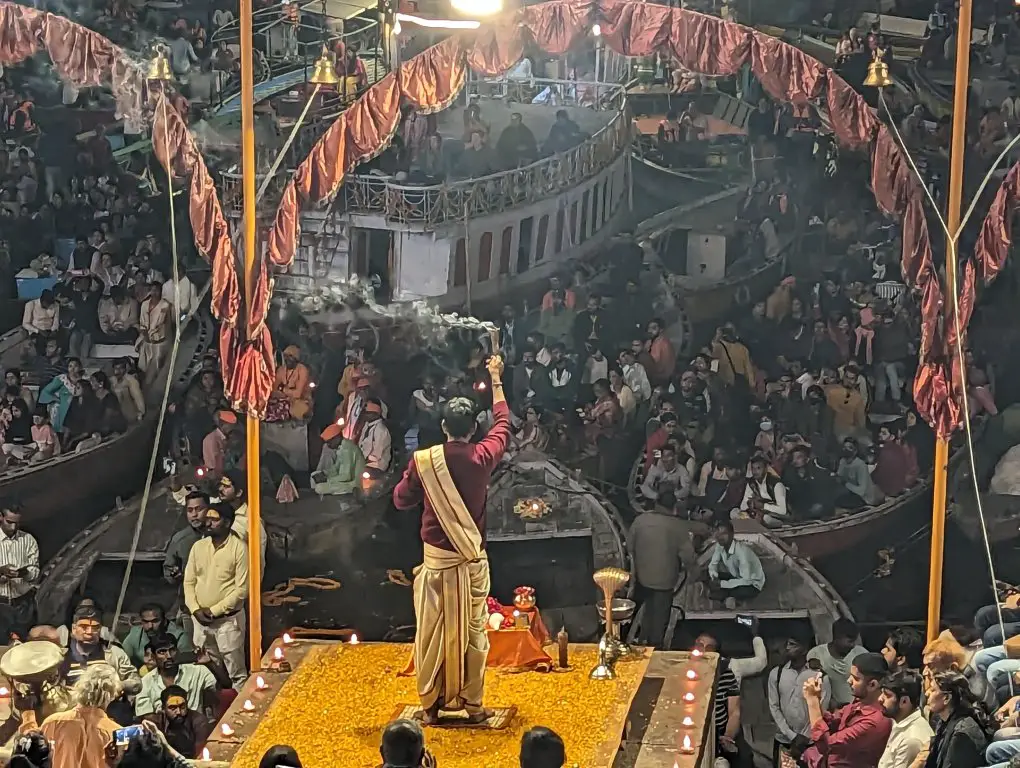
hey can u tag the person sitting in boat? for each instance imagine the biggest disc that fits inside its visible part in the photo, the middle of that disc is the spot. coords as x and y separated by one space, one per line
374 439
17 431
734 572
556 323
59 393
896 467
293 396
564 134
561 388
635 376
516 145
532 434
849 415
765 498
812 492
477 159
118 318
341 464
856 478
473 121
669 130
666 474
669 430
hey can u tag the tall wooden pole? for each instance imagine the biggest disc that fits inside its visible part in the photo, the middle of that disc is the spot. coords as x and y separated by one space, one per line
953 208
250 249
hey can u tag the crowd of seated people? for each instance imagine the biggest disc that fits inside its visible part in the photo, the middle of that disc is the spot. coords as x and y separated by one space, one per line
421 155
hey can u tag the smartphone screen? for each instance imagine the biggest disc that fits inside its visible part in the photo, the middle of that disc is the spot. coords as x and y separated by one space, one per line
122 736
745 620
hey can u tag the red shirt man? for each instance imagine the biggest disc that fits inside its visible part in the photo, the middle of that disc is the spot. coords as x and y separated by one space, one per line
853 736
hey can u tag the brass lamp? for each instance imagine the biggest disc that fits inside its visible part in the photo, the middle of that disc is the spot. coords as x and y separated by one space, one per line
324 73
610 648
159 67
878 72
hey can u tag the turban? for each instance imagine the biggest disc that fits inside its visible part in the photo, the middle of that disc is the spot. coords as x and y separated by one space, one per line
229 417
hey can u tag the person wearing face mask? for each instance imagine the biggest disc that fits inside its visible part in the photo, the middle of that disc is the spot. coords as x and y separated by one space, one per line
853 472
765 441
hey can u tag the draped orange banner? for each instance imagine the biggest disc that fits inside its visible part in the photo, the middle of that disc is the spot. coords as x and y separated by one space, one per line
702 43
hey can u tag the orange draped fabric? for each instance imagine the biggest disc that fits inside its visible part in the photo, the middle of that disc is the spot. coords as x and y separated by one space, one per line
80 56
704 44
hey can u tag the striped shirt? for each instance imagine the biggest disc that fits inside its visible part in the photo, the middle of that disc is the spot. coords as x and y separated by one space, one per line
19 551
726 688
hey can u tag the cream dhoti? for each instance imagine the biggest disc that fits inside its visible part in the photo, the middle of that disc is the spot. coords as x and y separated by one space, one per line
451 644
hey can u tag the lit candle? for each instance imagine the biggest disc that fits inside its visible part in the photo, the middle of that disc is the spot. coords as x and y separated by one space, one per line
354 639
311 385
688 746
287 639
689 697
260 683
687 722
366 476
205 754
696 653
200 472
248 706
226 730
534 505
278 653
692 675
340 422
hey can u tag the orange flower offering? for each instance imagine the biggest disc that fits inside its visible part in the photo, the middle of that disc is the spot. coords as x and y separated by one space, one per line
335 705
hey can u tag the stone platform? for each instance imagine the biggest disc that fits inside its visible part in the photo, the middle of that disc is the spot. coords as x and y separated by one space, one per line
334 702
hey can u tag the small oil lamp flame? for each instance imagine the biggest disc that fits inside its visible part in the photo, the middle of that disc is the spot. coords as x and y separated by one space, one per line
205 754
534 505
481 386
688 746
689 697
260 683
340 421
311 385
248 706
200 472
692 675
696 653
366 476
287 639
354 639
4 693
687 722
278 653
226 730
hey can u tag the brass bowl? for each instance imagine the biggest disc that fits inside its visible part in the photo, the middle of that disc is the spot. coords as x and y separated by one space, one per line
623 609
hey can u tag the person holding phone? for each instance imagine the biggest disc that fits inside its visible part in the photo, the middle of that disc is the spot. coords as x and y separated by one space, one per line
786 701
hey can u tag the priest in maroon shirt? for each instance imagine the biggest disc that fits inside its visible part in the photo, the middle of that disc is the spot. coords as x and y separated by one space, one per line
853 736
452 584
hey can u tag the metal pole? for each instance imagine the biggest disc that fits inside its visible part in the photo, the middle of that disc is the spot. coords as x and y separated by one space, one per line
467 262
954 204
252 452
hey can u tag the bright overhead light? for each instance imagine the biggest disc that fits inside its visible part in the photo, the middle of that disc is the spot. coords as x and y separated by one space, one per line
435 23
477 7
596 29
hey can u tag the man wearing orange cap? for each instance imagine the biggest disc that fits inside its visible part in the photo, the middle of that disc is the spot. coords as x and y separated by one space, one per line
214 446
340 465
452 584
293 383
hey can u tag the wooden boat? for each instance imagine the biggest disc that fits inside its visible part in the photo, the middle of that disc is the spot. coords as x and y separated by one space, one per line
65 494
362 542
822 538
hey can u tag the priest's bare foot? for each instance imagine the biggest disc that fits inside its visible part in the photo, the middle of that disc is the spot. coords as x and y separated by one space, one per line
427 716
476 718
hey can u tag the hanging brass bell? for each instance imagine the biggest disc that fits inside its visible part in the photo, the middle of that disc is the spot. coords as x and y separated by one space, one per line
878 72
323 73
159 67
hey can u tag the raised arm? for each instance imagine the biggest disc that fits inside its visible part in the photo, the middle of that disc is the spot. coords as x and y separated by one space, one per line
491 448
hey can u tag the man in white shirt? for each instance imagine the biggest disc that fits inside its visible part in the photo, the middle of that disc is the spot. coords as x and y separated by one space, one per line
19 570
911 734
182 295
154 335
666 473
41 319
764 497
375 441
786 700
635 376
